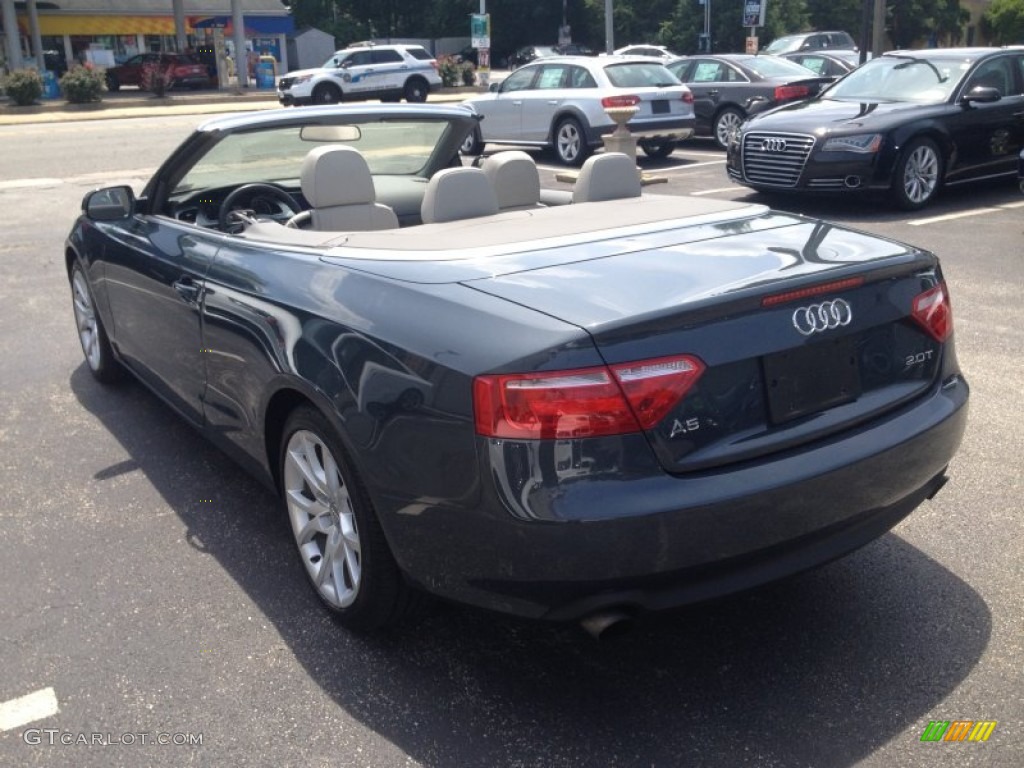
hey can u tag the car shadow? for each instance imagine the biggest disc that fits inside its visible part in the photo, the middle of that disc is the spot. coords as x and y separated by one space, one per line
822 669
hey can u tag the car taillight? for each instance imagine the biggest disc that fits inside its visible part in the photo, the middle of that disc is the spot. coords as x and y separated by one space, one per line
933 312
688 97
585 402
786 92
630 100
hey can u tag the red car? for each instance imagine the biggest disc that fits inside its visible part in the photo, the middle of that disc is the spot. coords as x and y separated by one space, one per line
185 71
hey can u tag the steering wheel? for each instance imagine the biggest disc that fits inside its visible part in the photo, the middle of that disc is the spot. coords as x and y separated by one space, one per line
247 193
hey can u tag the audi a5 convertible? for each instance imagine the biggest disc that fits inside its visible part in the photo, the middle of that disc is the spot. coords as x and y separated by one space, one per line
572 406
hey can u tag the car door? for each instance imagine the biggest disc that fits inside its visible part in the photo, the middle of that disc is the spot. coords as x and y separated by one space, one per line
709 81
130 73
357 73
154 269
989 137
389 70
503 114
550 90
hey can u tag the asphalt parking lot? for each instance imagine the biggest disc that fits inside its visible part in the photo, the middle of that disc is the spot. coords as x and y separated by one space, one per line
151 587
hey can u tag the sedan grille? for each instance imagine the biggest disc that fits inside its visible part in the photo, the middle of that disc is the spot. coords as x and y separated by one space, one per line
775 159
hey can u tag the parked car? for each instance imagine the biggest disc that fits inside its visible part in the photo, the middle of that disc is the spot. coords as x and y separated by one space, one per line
185 71
528 53
832 64
653 51
727 88
906 123
811 41
572 412
573 49
364 71
560 103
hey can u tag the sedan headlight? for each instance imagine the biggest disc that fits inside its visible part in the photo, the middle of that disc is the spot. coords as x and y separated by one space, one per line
302 79
866 143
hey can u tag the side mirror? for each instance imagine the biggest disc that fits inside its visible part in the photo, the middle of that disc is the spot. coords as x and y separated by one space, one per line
109 204
982 94
494 87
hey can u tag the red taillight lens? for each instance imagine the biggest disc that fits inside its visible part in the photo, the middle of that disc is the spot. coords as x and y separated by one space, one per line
586 402
688 97
786 92
933 312
620 101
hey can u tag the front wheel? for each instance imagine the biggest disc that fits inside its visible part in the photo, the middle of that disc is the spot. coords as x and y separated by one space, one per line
918 175
326 94
727 123
571 145
99 356
657 149
340 541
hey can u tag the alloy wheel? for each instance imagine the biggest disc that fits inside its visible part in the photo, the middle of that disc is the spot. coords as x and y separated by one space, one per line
85 320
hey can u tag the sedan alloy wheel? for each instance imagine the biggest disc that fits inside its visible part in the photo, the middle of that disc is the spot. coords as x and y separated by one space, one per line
918 173
571 142
98 354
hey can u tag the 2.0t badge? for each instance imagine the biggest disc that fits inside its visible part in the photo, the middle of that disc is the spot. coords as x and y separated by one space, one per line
822 317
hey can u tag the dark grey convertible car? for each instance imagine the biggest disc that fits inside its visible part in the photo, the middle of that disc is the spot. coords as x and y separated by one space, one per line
572 411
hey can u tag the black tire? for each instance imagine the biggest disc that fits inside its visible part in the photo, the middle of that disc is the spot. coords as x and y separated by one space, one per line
473 145
113 84
416 90
99 356
326 93
570 142
726 122
332 512
658 150
917 177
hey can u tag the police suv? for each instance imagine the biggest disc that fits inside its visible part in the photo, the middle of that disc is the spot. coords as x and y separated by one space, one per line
364 71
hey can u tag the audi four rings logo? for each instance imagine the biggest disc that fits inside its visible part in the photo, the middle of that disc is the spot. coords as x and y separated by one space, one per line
822 317
773 145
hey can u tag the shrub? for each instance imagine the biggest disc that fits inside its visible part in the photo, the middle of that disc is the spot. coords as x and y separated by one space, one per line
24 86
82 85
468 73
450 71
156 78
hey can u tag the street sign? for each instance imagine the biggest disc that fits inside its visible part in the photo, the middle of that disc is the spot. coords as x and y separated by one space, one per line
480 30
753 12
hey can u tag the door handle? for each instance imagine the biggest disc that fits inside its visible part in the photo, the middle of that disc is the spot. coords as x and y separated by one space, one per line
188 289
553 102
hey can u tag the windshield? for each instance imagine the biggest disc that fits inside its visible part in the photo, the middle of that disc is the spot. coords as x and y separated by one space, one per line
395 147
769 66
902 78
786 44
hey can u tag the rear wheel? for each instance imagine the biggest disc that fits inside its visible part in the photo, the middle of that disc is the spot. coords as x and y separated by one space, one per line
657 149
917 176
416 90
340 541
571 145
727 122
473 145
99 356
326 93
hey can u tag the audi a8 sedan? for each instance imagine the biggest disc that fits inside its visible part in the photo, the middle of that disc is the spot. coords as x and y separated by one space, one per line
906 123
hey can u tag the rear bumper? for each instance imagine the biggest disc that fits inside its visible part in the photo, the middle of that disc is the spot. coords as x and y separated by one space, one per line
654 130
575 537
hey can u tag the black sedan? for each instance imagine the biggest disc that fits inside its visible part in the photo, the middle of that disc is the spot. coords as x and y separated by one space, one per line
832 64
576 411
905 123
528 53
729 87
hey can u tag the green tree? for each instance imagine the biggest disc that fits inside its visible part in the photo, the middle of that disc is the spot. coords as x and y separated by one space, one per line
1004 21
843 15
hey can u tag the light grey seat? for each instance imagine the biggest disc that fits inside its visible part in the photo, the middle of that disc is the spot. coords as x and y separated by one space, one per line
337 183
608 176
458 193
514 176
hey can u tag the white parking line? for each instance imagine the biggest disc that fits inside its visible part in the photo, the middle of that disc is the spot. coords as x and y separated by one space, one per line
690 166
1012 205
733 188
952 216
26 709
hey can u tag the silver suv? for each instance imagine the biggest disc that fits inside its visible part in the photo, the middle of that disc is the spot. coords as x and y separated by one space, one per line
561 102
364 71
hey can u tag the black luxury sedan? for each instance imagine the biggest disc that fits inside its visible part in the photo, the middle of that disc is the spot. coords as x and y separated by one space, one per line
906 123
568 406
729 87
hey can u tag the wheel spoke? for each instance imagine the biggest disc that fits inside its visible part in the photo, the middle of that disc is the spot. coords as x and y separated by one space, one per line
329 561
303 457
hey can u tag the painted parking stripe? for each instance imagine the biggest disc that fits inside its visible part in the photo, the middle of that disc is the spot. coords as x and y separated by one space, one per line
733 188
1012 205
952 216
26 709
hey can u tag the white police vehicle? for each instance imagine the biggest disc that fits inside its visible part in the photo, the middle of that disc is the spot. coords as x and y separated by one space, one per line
364 71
